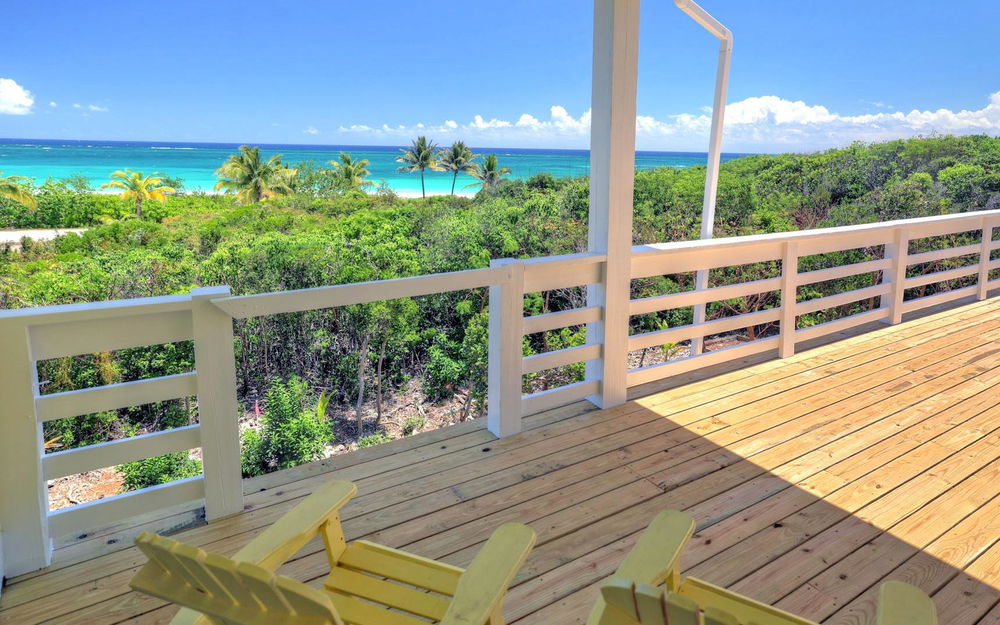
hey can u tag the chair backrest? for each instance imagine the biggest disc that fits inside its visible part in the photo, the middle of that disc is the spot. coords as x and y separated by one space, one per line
630 604
226 591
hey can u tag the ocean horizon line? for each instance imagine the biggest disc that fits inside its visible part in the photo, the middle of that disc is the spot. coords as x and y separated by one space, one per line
268 145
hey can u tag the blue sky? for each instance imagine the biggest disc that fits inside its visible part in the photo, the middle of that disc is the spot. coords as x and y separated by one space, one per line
806 74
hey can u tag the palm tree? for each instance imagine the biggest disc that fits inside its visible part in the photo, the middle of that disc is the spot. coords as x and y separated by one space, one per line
489 173
457 158
17 189
351 173
252 178
419 156
134 185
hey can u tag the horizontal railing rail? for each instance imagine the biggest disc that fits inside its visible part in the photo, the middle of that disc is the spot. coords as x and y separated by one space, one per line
787 249
205 318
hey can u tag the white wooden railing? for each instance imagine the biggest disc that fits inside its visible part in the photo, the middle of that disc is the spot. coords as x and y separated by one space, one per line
205 316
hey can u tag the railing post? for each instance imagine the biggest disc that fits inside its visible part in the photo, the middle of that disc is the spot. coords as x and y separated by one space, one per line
789 298
506 330
984 258
897 250
218 411
24 502
612 183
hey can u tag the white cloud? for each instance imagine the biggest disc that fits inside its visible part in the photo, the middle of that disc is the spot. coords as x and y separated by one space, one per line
311 130
760 123
53 104
97 108
14 99
77 106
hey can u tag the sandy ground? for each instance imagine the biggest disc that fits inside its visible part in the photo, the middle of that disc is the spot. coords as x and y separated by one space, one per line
15 236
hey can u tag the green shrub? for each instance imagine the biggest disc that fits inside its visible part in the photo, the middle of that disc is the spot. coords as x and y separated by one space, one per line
373 439
291 434
158 470
414 423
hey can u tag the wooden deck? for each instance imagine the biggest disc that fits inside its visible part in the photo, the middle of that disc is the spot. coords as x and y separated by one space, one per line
812 479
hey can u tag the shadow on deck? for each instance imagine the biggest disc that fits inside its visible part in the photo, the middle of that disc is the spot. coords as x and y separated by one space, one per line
813 479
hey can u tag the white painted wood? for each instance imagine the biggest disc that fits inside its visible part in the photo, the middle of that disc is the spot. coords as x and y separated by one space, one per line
23 495
941 276
936 255
939 298
218 411
705 328
688 298
847 297
243 306
660 371
506 339
55 340
113 396
985 250
74 461
562 272
896 250
83 517
612 177
562 319
844 271
753 248
65 313
674 258
560 396
725 37
559 358
789 297
839 325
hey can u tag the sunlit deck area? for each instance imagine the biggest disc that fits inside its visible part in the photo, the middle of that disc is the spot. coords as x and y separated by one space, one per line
812 478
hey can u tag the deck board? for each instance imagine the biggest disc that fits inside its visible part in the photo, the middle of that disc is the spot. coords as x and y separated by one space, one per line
812 479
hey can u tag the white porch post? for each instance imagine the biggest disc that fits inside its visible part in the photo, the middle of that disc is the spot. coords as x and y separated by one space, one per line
218 410
24 504
612 177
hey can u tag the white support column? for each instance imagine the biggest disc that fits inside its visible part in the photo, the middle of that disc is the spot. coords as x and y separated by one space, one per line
984 257
612 178
506 329
24 502
897 250
714 145
789 290
218 411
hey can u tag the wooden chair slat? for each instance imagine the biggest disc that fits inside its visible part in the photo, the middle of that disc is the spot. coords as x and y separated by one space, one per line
619 595
682 611
390 594
261 584
649 603
384 563
354 610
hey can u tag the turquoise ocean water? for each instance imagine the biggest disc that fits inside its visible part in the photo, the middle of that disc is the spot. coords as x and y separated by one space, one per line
195 163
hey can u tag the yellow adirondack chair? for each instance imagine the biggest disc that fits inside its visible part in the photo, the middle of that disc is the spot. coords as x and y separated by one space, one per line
368 584
647 589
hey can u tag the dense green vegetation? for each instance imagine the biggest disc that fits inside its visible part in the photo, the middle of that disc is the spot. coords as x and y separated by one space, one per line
322 230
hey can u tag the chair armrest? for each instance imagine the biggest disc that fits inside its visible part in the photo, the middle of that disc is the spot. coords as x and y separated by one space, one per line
484 584
903 604
272 547
653 560
656 557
